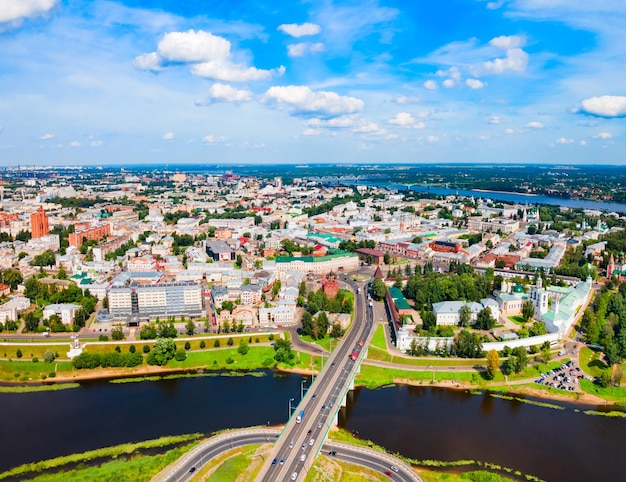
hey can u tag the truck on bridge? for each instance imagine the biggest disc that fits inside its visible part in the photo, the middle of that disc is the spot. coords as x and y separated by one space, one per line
300 416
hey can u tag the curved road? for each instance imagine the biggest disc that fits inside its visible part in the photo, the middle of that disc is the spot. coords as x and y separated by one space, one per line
188 465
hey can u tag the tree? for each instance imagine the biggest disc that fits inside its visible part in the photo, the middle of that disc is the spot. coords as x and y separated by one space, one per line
48 356
31 322
202 344
528 311
493 363
163 351
379 289
467 345
302 288
187 345
228 305
283 352
230 341
336 331
216 343
520 359
243 347
148 332
191 326
180 355
386 258
12 277
485 320
465 315
117 333
238 261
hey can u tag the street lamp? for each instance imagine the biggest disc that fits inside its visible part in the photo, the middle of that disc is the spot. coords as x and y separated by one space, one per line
302 388
290 400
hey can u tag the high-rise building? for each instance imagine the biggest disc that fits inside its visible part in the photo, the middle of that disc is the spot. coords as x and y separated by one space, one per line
39 223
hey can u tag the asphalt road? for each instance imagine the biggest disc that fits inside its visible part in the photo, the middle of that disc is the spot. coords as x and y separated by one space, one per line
300 442
188 465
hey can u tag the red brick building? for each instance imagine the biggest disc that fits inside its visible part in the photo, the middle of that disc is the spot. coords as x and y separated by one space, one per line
39 223
95 232
330 285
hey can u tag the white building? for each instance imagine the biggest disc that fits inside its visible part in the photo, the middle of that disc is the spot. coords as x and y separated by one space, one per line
65 311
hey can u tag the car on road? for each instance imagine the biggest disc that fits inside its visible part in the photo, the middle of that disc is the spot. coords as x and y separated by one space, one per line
323 407
291 444
319 425
302 457
309 432
331 404
314 396
192 470
274 462
282 461
332 452
294 476
303 446
394 468
312 441
388 473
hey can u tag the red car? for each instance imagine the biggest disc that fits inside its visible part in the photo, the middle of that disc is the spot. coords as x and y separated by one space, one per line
389 473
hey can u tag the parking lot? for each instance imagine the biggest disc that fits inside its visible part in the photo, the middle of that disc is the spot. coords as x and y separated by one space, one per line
565 377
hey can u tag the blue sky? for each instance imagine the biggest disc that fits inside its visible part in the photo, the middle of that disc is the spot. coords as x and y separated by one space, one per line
250 81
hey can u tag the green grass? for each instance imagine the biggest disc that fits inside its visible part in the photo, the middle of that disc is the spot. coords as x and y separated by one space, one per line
517 319
20 370
30 350
373 377
590 362
614 394
378 340
39 388
216 359
112 470
234 466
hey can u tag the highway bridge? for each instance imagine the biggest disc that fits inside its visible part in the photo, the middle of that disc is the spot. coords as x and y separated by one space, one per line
304 435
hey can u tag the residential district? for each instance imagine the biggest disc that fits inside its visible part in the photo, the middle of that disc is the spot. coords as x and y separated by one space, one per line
115 253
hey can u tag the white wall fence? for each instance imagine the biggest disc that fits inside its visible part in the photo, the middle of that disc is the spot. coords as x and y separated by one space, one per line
404 342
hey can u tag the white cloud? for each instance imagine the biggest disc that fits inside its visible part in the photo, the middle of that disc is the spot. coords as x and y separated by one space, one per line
74 144
369 128
311 132
474 83
403 99
509 131
300 30
563 140
96 143
508 42
535 125
46 136
302 48
603 135
432 139
208 54
15 11
303 100
211 139
583 143
516 59
605 106
169 136
226 93
404 119
494 119
430 85
448 83
335 122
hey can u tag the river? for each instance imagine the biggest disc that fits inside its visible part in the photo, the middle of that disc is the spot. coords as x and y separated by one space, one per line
419 422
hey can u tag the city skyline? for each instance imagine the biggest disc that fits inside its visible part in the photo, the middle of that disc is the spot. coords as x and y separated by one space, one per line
520 81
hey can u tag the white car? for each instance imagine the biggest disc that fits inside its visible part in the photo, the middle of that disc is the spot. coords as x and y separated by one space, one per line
294 476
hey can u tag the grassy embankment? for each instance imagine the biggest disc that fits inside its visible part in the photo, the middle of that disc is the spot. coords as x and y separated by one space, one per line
124 462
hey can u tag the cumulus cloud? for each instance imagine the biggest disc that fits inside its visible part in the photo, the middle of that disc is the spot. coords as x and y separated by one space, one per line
603 135
209 56
226 93
211 139
563 140
369 128
96 143
605 106
432 139
303 100
302 48
430 85
300 30
169 136
46 136
404 119
494 119
335 122
474 84
74 144
516 59
534 125
311 132
15 11
583 143
509 131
